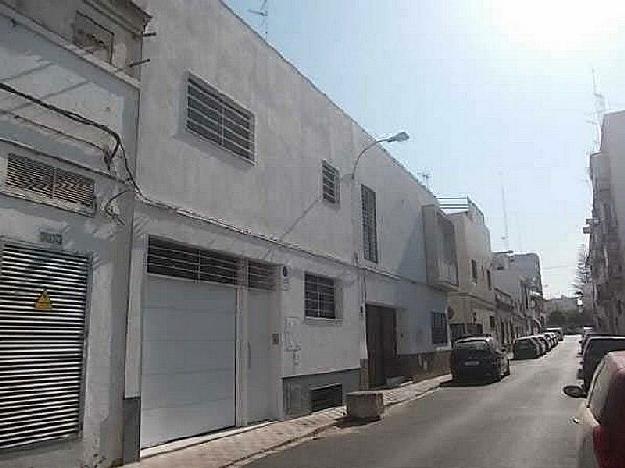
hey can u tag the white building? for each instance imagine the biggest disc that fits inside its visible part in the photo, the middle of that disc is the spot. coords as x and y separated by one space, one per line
607 171
68 97
257 241
258 273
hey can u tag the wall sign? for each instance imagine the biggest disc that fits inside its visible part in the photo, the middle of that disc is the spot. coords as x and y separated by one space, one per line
43 302
53 238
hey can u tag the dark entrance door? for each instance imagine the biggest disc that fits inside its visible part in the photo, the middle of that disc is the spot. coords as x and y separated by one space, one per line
381 344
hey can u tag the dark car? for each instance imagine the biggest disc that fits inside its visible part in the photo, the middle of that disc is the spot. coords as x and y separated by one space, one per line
544 344
596 348
478 357
542 347
526 348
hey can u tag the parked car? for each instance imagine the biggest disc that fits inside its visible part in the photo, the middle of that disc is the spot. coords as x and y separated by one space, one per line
555 338
596 348
558 331
526 348
584 340
542 348
545 343
478 357
550 339
601 436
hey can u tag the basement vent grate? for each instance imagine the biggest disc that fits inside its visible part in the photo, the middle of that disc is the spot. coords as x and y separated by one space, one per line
173 259
326 397
41 348
35 179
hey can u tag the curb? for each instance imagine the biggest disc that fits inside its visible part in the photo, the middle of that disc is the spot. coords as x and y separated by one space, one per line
328 425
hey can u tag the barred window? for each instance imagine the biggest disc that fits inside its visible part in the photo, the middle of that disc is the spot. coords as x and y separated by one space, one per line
216 117
330 182
319 296
439 328
31 178
369 224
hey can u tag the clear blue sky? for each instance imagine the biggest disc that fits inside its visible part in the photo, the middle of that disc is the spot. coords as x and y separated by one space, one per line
489 91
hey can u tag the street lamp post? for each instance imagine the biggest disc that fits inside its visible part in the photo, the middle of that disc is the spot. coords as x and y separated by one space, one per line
398 137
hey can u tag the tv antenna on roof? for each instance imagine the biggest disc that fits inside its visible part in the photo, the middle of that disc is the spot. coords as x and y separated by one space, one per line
263 13
426 176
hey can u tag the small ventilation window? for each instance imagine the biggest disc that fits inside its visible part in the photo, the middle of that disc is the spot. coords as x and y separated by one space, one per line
29 177
319 296
326 397
369 224
215 117
330 182
260 275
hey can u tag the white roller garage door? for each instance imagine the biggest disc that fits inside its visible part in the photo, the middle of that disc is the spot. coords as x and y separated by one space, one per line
188 366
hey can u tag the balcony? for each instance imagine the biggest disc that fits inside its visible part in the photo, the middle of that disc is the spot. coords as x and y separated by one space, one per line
440 248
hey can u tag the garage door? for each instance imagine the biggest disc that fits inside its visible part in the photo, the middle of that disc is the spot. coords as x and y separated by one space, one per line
188 367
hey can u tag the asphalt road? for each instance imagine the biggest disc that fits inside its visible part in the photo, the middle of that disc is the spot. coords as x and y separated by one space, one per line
522 421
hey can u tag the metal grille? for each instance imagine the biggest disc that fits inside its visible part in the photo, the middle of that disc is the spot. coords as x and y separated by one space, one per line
330 182
326 397
42 180
369 224
319 296
41 351
439 328
217 118
173 259
261 275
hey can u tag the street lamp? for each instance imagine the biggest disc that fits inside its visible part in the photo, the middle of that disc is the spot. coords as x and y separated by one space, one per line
398 137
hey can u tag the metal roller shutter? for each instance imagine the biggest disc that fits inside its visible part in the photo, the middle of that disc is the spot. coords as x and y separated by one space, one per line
41 348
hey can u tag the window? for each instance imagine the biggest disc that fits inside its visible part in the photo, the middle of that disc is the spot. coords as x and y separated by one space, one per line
173 259
457 331
439 328
216 117
32 178
474 271
319 296
369 230
489 280
492 323
92 37
330 183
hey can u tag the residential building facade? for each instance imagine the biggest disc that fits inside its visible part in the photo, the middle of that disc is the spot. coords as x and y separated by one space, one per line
262 237
607 172
69 100
512 282
472 305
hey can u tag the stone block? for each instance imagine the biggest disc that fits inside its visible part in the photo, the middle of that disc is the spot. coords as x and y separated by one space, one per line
365 405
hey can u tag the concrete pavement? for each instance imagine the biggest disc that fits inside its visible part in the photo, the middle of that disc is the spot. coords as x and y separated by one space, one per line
521 422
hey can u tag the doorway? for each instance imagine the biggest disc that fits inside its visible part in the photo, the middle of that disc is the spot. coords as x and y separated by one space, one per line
381 323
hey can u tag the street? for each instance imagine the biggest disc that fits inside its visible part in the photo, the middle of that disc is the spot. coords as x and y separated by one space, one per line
523 421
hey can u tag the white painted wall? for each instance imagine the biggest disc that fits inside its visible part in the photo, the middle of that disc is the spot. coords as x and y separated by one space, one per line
37 62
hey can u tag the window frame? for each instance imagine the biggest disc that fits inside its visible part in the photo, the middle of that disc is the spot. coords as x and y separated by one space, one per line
317 315
439 328
370 244
336 181
474 272
223 101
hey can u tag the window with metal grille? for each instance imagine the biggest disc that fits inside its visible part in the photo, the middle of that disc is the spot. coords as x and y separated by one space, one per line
319 296
369 224
330 183
261 275
474 271
326 397
439 328
173 259
216 117
43 301
32 178
92 37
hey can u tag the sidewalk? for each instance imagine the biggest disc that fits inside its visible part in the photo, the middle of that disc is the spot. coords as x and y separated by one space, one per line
227 448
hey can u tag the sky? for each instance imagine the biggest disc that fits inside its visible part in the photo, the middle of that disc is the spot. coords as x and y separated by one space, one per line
494 93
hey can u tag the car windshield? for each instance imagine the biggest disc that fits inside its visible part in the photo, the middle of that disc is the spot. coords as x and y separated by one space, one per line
472 345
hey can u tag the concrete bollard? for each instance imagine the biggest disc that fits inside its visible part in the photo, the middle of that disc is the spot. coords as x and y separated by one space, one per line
365 405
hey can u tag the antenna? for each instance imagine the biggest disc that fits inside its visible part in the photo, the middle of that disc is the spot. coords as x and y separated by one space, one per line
600 108
263 12
426 176
506 234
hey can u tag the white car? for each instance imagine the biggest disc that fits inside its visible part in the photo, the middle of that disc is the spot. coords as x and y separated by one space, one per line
601 437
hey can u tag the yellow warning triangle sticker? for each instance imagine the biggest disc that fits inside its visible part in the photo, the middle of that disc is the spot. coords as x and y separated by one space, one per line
43 302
